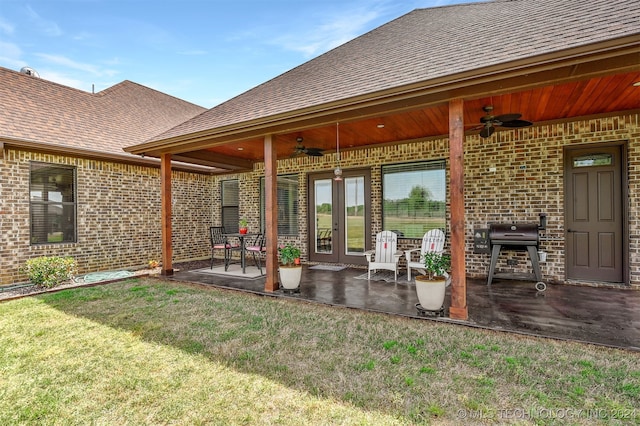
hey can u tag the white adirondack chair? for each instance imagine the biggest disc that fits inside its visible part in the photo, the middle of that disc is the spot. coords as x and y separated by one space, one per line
386 254
432 241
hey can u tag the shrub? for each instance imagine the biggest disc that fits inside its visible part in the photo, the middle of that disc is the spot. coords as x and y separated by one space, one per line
288 254
50 271
436 264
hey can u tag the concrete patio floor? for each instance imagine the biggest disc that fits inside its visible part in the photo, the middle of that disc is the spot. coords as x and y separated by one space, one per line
596 315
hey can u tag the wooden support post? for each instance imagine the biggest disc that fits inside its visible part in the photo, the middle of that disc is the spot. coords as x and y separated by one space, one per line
271 213
458 308
165 193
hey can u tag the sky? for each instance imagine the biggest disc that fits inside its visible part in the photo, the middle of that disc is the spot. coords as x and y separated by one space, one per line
202 51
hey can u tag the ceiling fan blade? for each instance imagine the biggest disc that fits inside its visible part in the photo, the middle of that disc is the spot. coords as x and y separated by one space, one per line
314 152
487 131
507 117
516 123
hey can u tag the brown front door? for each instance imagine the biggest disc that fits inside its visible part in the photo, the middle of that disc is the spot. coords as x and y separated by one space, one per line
594 214
339 213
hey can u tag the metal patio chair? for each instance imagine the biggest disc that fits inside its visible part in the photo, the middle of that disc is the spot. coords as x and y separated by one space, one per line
257 248
220 242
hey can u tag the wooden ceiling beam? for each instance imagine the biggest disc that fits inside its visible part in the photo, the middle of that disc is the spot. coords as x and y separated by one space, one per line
212 159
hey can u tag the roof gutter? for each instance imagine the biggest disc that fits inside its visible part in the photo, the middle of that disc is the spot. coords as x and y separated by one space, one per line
604 58
28 145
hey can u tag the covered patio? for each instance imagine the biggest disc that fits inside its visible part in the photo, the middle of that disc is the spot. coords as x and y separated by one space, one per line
412 90
600 316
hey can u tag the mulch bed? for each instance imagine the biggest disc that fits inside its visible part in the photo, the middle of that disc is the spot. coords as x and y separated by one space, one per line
28 290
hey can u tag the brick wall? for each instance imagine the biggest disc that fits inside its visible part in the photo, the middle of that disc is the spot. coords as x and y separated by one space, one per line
119 205
118 215
528 180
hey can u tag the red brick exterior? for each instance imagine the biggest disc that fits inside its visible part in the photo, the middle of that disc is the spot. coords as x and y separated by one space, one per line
119 205
118 215
528 180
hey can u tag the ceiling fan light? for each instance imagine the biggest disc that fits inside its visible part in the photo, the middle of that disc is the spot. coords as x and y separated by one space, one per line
338 174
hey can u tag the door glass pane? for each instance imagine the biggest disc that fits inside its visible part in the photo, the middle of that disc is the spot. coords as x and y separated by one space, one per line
593 160
324 209
354 214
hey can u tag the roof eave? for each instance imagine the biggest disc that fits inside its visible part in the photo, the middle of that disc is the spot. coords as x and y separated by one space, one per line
35 146
604 58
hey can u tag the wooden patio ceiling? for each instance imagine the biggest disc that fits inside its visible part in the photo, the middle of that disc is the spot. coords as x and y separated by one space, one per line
559 102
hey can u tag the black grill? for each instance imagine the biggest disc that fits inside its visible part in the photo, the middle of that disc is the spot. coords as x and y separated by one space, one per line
516 236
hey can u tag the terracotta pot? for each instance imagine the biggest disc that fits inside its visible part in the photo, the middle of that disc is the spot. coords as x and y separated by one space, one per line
243 230
290 276
430 292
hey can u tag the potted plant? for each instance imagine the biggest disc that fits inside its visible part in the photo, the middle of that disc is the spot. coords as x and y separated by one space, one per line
290 267
242 226
430 288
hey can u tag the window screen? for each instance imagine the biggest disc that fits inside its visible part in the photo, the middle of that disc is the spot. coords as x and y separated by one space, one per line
52 202
414 198
230 205
287 201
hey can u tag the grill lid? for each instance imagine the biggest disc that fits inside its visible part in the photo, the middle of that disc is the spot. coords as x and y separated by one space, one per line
513 232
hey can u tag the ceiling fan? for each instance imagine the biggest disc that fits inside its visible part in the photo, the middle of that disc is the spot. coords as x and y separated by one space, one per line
490 122
301 149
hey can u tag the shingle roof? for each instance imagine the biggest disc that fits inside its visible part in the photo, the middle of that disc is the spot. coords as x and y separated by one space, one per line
424 45
36 110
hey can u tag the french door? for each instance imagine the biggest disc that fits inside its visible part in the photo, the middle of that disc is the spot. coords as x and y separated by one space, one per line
339 217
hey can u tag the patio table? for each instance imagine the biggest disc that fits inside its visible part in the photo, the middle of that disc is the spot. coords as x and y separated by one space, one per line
241 238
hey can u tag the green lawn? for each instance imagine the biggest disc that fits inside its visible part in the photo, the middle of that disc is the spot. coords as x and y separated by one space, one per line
410 227
147 351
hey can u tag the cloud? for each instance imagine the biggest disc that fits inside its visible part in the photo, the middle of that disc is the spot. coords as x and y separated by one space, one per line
10 50
11 56
69 63
83 36
6 27
49 28
333 31
65 80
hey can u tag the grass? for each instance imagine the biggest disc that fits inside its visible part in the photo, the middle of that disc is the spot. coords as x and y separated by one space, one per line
147 351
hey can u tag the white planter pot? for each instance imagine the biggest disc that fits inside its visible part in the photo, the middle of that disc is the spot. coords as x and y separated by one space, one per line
290 276
430 293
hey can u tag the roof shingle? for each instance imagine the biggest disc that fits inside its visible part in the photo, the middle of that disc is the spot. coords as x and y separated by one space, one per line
37 110
424 45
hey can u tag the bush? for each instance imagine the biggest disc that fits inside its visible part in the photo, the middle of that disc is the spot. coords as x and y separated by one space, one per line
50 271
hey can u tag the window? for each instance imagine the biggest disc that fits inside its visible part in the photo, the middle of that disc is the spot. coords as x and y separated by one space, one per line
230 205
287 200
414 198
593 160
52 202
